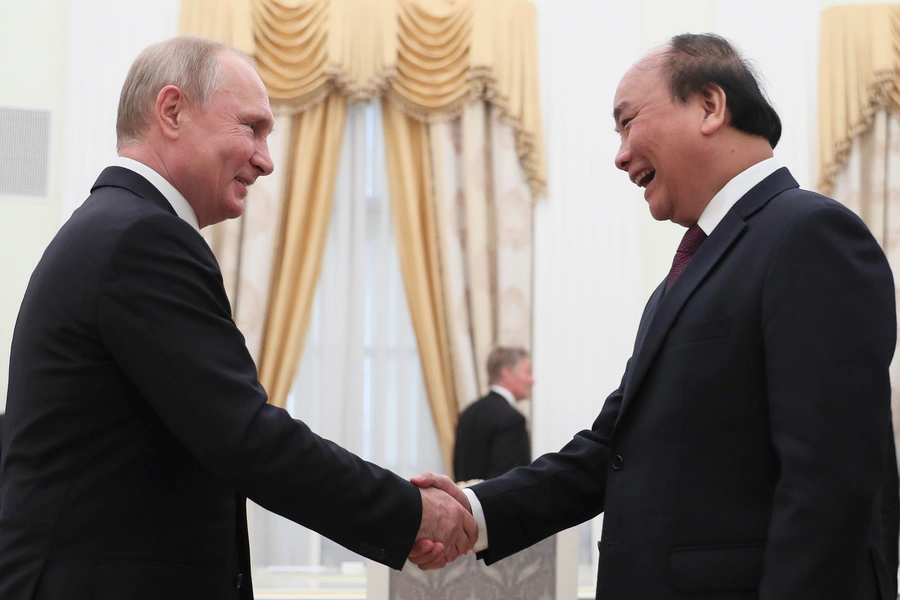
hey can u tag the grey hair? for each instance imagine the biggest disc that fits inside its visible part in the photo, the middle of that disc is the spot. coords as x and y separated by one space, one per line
503 358
190 63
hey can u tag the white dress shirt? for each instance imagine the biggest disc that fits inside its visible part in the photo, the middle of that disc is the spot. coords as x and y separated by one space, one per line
733 191
505 393
712 215
182 207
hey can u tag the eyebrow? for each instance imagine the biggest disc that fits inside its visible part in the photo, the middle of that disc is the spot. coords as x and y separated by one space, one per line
617 111
263 120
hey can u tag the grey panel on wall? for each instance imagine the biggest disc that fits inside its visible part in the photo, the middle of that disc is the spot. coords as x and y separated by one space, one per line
24 151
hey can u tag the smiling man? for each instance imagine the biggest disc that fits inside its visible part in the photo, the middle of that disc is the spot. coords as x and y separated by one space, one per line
136 426
748 451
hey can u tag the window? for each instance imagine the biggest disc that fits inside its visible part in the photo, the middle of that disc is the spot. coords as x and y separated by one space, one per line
359 382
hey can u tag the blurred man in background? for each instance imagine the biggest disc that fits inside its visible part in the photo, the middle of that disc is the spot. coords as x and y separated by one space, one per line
492 436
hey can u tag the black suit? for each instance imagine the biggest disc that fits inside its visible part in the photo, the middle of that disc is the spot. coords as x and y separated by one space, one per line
743 454
1 442
136 425
890 514
491 439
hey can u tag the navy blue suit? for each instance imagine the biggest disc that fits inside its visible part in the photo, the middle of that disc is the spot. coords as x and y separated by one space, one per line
745 452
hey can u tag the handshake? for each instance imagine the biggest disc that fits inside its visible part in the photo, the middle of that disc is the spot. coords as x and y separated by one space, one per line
448 529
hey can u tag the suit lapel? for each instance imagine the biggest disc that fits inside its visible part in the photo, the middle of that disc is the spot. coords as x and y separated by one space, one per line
647 319
656 323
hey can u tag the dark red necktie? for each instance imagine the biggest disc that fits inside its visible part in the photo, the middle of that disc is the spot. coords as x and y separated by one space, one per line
692 239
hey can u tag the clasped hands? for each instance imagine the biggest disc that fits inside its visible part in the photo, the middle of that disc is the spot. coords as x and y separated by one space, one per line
448 529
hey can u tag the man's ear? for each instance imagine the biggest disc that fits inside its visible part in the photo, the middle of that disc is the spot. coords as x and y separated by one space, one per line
171 111
715 108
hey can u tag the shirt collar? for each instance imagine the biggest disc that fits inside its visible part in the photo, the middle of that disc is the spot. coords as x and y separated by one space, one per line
505 393
733 191
182 207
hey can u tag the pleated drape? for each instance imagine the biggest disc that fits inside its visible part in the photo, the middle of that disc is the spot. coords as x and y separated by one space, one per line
430 57
316 146
859 74
409 180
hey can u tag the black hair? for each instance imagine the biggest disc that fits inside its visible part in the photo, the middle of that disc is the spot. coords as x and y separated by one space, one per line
693 61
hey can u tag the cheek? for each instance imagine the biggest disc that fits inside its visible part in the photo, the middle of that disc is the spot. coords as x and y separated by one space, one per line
235 149
245 150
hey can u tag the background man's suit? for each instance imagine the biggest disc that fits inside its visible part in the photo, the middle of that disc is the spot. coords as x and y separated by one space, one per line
491 439
136 424
722 461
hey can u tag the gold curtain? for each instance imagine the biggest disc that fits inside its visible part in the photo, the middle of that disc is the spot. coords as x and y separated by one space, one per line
224 20
484 214
859 74
428 59
859 130
406 144
316 148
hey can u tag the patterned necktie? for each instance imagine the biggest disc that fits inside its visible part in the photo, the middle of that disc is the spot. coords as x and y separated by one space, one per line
692 239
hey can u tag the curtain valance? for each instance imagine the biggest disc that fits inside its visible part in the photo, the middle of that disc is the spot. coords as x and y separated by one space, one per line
429 57
859 71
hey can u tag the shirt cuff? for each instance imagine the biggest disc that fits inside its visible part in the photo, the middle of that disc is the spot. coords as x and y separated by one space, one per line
478 515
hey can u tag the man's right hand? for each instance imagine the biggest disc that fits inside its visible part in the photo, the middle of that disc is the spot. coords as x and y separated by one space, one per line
444 483
448 529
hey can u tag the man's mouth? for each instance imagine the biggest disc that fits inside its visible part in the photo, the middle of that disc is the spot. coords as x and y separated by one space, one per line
643 178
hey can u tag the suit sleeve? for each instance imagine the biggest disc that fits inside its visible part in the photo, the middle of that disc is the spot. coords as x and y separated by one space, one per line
165 318
829 330
555 492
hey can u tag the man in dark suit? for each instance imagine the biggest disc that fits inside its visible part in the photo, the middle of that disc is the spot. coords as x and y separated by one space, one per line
491 436
745 452
135 423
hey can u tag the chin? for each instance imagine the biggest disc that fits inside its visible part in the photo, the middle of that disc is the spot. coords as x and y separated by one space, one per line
235 209
659 210
658 215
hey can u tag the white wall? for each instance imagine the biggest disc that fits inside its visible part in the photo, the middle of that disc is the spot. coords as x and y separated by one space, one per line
99 53
32 75
69 57
587 230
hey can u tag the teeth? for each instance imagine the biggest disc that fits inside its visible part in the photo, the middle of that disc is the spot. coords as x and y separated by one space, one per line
641 177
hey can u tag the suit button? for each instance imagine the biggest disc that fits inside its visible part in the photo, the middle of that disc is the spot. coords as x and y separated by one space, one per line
617 462
238 580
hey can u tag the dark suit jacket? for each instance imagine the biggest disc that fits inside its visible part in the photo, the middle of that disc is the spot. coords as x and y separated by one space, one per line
1 441
743 454
890 514
136 424
491 439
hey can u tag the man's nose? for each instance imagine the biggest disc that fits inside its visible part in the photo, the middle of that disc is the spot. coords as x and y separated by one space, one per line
262 160
623 156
